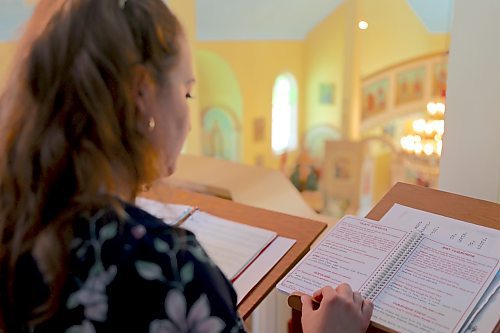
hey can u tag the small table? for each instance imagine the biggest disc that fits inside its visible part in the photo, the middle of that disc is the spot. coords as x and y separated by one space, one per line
304 231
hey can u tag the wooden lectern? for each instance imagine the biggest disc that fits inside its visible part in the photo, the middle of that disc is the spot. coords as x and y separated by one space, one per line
443 203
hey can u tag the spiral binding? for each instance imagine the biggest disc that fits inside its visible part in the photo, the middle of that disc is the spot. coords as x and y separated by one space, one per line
389 267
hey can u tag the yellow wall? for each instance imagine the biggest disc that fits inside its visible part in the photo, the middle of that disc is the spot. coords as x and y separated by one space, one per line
381 175
219 87
395 34
218 84
324 50
240 75
256 65
185 10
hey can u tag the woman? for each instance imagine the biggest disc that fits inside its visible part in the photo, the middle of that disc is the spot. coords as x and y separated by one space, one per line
95 108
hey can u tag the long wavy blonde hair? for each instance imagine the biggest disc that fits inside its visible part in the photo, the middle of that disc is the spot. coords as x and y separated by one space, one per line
69 127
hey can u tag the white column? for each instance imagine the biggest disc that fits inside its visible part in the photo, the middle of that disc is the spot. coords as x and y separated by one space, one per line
470 164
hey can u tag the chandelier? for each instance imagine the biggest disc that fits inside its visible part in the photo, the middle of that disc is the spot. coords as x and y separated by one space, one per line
426 138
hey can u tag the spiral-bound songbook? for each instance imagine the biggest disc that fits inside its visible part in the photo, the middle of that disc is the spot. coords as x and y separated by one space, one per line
417 283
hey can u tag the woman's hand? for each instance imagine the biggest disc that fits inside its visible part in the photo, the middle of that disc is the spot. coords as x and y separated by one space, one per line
340 310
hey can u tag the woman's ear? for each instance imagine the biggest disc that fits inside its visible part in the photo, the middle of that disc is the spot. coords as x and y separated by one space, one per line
142 90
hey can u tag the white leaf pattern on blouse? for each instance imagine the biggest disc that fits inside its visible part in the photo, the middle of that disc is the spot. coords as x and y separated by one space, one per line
161 246
149 271
162 326
175 307
187 273
85 327
108 231
198 319
92 295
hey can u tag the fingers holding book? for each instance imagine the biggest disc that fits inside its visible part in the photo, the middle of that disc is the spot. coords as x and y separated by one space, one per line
335 310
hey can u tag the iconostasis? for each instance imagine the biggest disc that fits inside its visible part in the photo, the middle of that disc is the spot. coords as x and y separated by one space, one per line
402 125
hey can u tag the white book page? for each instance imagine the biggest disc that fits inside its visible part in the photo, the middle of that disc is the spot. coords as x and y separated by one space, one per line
231 245
435 289
167 212
486 313
350 252
261 266
464 235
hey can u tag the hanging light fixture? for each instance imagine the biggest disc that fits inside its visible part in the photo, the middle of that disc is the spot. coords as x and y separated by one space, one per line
426 138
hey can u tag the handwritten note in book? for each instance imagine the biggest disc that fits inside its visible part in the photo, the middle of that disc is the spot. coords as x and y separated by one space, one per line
465 235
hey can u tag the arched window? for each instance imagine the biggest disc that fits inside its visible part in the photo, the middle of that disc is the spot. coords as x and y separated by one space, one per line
284 116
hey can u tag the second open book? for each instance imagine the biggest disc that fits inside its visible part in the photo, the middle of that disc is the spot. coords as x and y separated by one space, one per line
419 282
232 246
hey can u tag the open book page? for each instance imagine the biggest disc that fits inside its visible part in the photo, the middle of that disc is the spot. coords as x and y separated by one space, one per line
231 245
349 252
461 234
464 235
168 213
261 266
486 313
435 289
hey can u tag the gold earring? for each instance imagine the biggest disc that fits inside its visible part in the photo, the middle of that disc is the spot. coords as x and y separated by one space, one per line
151 124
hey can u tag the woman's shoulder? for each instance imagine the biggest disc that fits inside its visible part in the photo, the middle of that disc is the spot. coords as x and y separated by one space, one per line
124 220
125 231
139 267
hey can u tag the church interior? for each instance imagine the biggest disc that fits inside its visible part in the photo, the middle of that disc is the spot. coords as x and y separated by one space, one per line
308 90
317 108
344 98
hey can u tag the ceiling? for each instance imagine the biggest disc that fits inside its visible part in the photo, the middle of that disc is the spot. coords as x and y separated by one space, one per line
292 19
252 19
260 19
436 15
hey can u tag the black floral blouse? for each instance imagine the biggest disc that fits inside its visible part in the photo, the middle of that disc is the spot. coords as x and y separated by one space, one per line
141 275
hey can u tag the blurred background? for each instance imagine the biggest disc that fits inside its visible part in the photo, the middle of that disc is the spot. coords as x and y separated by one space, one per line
317 107
343 97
